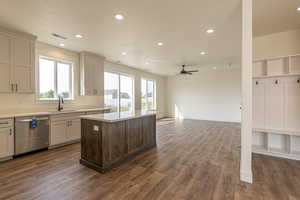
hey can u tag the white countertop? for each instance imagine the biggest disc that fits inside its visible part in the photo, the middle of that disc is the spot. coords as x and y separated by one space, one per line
118 116
20 113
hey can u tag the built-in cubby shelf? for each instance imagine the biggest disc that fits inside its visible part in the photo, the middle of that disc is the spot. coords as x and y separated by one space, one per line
276 107
274 144
277 67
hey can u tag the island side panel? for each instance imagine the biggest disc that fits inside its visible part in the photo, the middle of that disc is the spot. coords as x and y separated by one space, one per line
113 142
134 135
149 131
91 142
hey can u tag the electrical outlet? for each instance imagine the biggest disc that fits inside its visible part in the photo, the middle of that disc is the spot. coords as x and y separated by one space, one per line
96 128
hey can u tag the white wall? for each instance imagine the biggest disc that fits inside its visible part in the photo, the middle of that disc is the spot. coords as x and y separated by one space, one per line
276 45
208 95
12 102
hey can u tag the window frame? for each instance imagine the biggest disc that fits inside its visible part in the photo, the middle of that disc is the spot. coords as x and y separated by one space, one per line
71 79
154 94
119 87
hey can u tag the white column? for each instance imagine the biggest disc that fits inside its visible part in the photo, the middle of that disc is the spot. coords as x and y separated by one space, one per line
246 137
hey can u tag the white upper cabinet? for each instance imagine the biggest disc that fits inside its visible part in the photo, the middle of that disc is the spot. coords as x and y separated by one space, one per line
91 74
5 63
17 62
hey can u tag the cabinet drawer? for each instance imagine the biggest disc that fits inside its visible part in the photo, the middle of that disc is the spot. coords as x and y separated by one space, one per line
5 123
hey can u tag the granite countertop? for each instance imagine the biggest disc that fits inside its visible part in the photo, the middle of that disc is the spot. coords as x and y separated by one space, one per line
20 113
118 116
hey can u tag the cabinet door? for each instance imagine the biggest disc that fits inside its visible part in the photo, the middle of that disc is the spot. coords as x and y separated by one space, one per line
134 134
58 132
6 142
258 104
275 103
74 129
23 65
292 104
91 141
113 142
5 64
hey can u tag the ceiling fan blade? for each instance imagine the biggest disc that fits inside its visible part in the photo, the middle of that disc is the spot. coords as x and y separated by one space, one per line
193 71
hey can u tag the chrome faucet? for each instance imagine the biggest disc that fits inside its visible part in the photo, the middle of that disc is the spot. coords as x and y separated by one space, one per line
60 103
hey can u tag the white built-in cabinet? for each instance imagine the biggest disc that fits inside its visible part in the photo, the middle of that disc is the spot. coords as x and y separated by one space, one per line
6 139
91 74
17 61
65 128
276 107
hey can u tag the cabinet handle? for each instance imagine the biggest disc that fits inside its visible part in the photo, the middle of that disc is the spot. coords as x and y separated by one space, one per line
16 87
3 123
68 123
12 87
10 132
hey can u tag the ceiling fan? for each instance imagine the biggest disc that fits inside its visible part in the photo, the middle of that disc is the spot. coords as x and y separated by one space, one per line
184 72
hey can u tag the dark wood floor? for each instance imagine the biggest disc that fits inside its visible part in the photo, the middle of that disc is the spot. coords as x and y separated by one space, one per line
193 160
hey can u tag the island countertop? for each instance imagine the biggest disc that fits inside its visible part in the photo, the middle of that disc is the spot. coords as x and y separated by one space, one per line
118 116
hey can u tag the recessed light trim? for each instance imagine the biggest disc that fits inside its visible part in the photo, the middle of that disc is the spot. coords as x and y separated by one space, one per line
203 53
209 31
119 17
62 44
124 53
78 36
160 44
298 8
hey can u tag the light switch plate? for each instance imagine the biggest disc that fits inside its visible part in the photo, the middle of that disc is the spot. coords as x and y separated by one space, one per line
96 128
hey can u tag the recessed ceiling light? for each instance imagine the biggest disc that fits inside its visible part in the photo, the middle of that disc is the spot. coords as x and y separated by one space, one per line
160 44
298 8
210 31
202 53
119 17
214 68
62 44
124 53
78 36
147 63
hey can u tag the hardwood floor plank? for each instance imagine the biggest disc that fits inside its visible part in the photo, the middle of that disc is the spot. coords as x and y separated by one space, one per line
193 160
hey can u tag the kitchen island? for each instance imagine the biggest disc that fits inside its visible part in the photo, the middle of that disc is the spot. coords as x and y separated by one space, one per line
109 139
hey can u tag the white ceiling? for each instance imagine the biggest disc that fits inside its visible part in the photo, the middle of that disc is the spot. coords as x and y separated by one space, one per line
273 16
180 24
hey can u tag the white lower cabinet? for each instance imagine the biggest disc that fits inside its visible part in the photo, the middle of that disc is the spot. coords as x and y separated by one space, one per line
74 129
58 132
65 128
6 139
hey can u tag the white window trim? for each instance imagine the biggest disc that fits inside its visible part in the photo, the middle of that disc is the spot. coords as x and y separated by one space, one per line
56 60
133 87
154 91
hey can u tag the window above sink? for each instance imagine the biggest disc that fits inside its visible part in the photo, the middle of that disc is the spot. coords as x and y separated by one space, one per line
55 77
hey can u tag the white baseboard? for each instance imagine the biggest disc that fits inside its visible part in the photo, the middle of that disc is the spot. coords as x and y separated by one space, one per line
278 155
246 177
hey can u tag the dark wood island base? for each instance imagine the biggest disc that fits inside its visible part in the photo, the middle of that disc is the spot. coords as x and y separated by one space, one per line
107 142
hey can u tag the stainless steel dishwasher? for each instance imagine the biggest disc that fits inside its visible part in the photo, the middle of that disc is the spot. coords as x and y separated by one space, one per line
30 138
